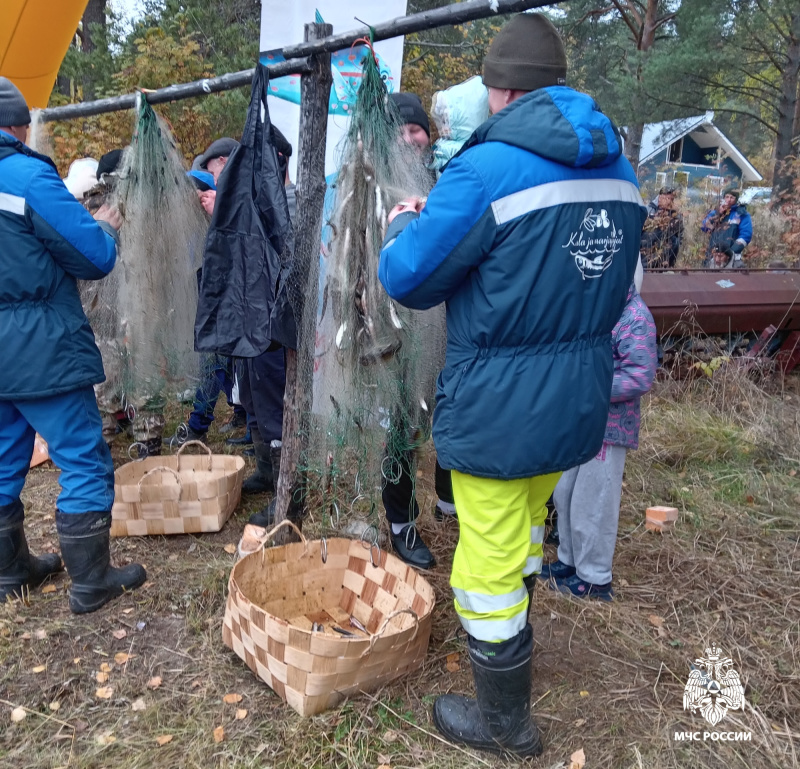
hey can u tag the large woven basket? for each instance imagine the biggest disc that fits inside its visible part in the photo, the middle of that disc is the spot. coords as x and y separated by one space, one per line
284 603
179 494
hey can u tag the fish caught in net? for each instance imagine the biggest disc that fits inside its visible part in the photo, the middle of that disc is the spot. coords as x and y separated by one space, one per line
376 362
143 312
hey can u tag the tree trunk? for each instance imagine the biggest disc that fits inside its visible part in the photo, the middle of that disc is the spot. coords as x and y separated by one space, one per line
314 95
783 176
633 144
94 14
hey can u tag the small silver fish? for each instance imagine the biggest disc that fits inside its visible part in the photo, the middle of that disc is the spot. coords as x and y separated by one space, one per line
356 624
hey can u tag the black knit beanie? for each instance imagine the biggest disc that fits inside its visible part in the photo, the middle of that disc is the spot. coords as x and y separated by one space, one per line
13 109
409 105
525 55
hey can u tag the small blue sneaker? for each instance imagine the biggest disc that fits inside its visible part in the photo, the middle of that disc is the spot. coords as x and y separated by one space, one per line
574 585
556 570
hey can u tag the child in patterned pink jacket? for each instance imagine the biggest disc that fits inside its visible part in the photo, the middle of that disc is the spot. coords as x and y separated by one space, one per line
587 497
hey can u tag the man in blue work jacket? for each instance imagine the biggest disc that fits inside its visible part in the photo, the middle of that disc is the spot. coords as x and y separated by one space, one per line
530 237
50 362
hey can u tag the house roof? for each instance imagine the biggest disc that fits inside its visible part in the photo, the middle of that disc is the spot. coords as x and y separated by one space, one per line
658 136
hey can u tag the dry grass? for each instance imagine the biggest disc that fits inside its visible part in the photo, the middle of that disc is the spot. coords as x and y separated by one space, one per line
607 680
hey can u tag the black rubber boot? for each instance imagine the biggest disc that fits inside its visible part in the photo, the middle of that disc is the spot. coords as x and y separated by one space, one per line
18 568
151 448
262 480
266 516
499 719
84 546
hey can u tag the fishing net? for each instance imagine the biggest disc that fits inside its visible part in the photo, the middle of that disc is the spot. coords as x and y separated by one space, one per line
375 362
143 312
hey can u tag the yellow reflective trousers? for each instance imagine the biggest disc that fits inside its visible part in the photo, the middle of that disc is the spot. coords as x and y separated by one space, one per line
501 527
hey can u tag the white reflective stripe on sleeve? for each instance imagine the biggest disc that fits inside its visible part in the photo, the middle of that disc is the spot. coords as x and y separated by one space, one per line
12 203
483 603
496 629
537 535
560 193
532 566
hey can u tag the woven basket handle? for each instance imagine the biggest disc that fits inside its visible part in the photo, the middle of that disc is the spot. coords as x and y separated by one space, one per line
385 624
269 534
163 468
194 443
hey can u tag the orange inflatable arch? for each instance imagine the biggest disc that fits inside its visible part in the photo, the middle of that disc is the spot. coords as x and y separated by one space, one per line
34 37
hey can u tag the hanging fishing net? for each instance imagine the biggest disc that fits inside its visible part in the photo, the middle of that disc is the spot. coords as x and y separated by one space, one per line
143 312
375 362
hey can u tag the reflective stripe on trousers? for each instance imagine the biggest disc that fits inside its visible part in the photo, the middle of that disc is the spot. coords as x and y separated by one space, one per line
501 527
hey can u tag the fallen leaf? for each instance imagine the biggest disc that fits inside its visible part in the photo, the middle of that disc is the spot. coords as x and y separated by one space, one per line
120 634
54 705
232 699
452 664
105 667
18 714
197 682
792 473
624 583
577 760
164 739
80 726
127 611
154 682
584 693
384 759
137 705
390 736
230 548
122 657
101 677
76 661
49 589
104 693
219 734
579 722
241 714
39 669
655 620
105 739
40 635
384 766
26 636
173 557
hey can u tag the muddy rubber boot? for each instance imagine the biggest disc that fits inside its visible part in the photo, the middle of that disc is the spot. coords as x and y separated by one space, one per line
499 718
262 480
84 547
18 568
149 448
266 516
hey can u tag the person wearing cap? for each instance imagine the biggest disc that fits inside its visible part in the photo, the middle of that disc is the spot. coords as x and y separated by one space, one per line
416 126
663 231
398 496
730 230
531 237
217 369
50 362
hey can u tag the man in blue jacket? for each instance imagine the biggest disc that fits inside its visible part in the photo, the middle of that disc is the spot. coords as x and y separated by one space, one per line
730 230
50 361
531 237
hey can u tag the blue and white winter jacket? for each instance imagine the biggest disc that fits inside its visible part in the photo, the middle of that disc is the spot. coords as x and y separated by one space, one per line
47 241
531 237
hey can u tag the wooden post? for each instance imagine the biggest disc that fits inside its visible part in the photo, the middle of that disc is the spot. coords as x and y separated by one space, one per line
315 91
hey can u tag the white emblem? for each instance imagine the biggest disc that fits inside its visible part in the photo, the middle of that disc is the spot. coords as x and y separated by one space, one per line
713 687
593 246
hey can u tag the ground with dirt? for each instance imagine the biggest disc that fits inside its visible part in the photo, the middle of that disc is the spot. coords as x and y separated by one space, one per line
141 683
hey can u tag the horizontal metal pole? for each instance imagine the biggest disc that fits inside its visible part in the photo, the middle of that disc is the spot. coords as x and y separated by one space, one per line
295 55
172 92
